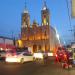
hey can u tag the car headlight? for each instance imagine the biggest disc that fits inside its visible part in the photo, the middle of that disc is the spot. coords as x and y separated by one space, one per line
38 55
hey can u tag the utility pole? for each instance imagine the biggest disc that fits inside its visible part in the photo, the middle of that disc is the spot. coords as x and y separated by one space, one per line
13 37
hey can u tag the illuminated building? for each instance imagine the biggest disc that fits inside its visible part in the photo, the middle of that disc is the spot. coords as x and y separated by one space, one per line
38 37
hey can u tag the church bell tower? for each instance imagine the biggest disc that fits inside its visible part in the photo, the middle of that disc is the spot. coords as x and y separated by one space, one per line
25 22
45 15
25 18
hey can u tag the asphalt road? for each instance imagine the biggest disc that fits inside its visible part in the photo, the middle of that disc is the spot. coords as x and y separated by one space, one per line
32 68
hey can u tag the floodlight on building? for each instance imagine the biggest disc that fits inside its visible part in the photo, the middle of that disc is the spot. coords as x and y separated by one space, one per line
20 43
57 35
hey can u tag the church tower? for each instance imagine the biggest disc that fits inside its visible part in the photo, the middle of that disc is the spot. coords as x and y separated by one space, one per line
25 18
45 14
25 23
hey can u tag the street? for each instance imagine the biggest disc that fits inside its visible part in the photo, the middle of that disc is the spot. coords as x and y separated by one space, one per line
32 68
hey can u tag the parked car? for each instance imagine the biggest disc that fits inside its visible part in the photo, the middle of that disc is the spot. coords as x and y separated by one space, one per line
19 57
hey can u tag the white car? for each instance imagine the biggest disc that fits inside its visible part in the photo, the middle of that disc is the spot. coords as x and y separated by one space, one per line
19 57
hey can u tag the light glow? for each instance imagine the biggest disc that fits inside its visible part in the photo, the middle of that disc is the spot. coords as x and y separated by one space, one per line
38 55
45 21
57 35
20 43
50 54
1 49
56 55
12 59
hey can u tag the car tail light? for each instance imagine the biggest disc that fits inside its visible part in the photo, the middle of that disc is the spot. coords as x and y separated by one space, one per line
56 55
60 54
65 55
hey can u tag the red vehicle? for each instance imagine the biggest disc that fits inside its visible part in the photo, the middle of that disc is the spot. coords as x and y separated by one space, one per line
61 56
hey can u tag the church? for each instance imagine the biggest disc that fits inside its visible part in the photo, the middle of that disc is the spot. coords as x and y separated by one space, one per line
39 37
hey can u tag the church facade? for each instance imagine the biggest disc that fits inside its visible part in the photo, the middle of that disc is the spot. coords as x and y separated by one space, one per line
38 37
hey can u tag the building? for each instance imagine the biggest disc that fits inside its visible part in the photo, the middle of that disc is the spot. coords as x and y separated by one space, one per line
38 37
7 43
73 8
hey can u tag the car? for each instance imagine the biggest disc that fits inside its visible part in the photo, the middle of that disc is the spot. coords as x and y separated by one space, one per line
2 55
19 57
61 55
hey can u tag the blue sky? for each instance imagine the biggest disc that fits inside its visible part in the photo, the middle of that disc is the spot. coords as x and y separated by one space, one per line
11 10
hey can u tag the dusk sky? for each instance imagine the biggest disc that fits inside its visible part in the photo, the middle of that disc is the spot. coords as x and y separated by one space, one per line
11 10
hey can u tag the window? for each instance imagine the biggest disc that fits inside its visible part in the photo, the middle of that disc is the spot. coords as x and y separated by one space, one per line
27 54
